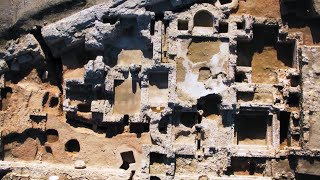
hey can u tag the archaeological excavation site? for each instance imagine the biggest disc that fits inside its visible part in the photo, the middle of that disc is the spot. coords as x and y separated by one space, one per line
160 89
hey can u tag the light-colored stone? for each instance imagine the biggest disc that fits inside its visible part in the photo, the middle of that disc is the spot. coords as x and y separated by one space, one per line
79 164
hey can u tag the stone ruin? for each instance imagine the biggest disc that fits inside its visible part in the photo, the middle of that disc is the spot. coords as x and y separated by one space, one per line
159 89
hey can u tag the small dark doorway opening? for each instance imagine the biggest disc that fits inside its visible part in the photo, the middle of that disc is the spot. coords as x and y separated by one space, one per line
127 159
203 19
72 146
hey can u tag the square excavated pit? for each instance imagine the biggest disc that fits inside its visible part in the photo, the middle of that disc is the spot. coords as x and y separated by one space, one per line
201 50
243 166
157 163
188 119
210 105
127 57
158 89
265 55
183 24
127 97
251 128
255 97
314 131
284 118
